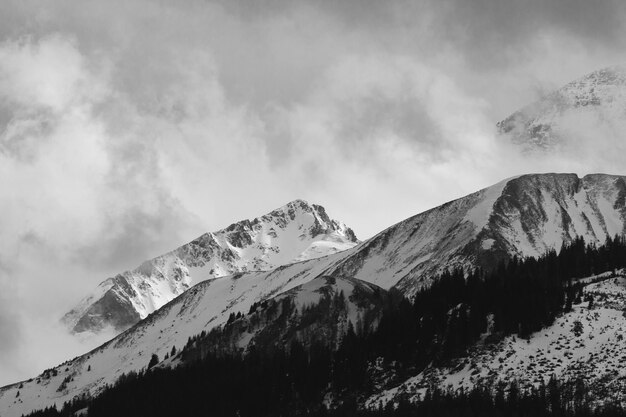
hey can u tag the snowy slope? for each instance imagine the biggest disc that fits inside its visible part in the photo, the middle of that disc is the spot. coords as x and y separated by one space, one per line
319 311
586 343
295 232
520 216
598 99
523 216
203 307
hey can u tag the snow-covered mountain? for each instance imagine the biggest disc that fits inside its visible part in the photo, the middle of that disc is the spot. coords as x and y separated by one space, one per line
319 311
523 216
295 232
597 100
203 307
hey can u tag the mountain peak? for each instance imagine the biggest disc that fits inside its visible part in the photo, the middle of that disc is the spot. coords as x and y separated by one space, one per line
294 232
291 206
599 97
311 219
298 202
292 209
614 75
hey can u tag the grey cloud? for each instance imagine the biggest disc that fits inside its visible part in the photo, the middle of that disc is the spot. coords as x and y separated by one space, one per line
152 221
500 33
277 135
377 116
481 30
9 326
140 236
20 134
352 13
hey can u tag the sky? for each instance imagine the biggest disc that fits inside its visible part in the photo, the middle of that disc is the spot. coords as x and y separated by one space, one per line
129 127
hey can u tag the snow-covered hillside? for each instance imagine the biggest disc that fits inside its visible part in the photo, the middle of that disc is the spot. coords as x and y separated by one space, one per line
203 307
586 343
206 305
319 311
295 232
522 216
597 99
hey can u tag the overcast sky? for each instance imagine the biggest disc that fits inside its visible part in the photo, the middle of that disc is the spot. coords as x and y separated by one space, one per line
130 127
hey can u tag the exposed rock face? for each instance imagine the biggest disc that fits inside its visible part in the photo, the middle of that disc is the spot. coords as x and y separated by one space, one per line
112 309
294 232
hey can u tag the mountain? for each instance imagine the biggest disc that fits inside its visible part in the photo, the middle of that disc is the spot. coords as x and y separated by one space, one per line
579 343
200 309
523 216
294 232
319 311
596 100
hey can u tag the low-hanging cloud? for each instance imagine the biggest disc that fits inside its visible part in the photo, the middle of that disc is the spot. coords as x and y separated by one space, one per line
128 128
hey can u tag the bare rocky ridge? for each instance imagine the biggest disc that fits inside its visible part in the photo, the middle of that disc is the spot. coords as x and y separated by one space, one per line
294 232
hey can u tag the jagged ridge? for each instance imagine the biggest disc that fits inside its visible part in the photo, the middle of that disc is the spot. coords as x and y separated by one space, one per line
294 232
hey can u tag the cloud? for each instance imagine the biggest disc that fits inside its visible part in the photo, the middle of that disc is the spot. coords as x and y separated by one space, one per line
78 201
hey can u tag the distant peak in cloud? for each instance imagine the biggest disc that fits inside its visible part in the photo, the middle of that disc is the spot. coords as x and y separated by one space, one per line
594 104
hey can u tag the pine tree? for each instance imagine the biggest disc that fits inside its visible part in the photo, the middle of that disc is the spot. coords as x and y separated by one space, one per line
153 360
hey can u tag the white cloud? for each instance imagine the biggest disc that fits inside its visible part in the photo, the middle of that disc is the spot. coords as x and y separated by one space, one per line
46 74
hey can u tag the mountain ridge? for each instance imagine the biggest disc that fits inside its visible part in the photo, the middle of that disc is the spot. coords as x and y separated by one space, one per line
485 227
296 231
477 230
